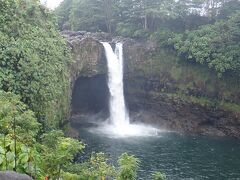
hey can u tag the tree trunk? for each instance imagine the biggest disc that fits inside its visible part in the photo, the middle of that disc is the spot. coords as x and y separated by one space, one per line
4 144
59 172
15 145
145 22
108 14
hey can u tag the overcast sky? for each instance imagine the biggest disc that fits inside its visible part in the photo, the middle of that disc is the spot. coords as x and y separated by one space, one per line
51 3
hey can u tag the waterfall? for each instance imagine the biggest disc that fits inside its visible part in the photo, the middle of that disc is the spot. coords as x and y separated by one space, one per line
118 114
118 124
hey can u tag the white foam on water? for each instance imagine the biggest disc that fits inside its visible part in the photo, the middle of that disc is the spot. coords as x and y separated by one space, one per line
118 124
132 130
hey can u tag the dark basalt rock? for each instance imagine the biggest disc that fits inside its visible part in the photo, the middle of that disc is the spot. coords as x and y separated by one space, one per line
10 175
98 36
155 83
155 80
174 114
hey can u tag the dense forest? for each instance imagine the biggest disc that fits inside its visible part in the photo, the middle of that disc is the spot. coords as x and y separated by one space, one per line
204 31
34 100
35 68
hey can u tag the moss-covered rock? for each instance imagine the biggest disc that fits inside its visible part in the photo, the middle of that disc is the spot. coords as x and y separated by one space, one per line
179 95
89 58
161 88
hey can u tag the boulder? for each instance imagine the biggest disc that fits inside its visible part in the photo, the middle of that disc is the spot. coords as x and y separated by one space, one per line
10 175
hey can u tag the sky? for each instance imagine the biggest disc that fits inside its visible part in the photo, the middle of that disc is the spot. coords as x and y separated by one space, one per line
51 3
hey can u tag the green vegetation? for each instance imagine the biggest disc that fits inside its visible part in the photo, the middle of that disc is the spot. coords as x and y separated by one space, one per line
215 45
188 82
208 35
97 167
205 102
18 130
20 148
128 167
34 100
50 155
34 60
35 63
159 176
128 17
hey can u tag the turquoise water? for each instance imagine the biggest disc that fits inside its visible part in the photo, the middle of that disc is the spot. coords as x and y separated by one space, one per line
178 156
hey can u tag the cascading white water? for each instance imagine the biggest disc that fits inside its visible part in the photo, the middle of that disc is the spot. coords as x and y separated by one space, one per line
118 113
119 124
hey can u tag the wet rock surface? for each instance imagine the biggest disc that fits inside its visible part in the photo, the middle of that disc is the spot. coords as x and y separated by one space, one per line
155 81
174 114
98 36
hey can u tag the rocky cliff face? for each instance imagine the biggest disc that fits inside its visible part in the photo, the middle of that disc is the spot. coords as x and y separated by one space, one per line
88 72
88 53
162 90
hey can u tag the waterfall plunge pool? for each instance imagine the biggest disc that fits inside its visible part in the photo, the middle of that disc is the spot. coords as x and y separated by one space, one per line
178 156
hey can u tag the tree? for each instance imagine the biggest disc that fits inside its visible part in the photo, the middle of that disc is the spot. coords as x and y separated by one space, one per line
215 45
158 176
34 60
58 152
130 17
228 8
97 167
63 13
18 130
88 15
128 167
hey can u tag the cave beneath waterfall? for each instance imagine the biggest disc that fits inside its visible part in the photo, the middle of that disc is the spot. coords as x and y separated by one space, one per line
90 95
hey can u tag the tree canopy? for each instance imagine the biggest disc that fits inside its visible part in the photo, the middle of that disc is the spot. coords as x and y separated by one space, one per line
120 16
216 45
204 31
34 71
34 58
